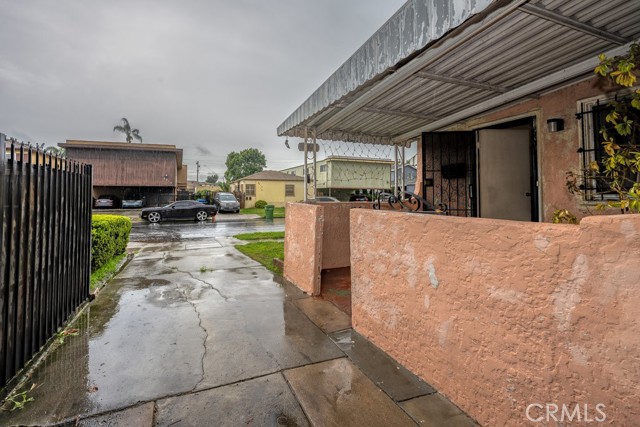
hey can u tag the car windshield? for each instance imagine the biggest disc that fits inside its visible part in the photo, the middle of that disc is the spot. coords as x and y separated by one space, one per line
227 198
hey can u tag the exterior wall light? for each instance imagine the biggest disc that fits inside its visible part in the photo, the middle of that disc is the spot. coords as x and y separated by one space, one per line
555 125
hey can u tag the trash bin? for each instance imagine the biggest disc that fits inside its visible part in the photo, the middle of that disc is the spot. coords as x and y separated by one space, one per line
268 211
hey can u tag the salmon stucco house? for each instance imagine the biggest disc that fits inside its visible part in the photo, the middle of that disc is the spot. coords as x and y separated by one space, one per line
275 188
497 308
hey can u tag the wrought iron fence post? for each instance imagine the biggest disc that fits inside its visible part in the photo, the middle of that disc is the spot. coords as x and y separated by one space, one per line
45 238
3 266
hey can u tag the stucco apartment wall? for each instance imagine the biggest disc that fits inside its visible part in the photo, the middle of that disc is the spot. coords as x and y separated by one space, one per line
499 315
557 151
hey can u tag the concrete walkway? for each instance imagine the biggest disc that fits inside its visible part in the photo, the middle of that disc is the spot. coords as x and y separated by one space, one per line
194 333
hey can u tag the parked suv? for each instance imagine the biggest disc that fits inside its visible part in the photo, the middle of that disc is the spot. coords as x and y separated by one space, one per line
226 202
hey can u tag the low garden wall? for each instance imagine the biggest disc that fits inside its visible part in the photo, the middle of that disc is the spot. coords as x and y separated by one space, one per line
514 322
303 246
316 239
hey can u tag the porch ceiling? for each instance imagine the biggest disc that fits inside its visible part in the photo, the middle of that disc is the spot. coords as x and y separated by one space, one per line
508 51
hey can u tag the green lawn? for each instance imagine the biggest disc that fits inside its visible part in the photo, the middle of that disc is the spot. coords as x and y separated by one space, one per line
264 253
263 235
277 212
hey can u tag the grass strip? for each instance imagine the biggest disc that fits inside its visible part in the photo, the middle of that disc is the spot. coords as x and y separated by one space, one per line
106 271
261 235
264 253
277 212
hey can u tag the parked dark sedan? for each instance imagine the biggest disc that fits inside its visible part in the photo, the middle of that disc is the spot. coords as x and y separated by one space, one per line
182 209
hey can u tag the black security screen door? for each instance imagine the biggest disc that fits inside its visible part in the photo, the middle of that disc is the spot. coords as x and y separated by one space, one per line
449 171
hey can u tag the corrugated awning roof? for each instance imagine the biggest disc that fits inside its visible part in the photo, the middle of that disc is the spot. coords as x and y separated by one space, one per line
434 64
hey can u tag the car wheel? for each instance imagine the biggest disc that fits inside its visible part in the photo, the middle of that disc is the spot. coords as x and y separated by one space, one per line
202 216
154 217
237 211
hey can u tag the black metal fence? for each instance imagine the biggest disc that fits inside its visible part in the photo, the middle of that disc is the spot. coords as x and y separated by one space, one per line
45 249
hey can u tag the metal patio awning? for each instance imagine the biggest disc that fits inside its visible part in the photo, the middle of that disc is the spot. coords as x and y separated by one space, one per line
437 62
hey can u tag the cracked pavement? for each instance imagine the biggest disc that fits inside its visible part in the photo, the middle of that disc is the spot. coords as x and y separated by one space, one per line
192 332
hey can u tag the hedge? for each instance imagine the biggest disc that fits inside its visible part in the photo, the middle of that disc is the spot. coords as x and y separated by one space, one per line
260 204
109 237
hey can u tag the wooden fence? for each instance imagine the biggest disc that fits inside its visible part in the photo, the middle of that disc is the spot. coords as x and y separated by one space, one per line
45 249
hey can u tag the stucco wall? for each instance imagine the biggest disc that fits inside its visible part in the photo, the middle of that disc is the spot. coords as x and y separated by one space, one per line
316 239
336 247
557 151
272 192
303 246
499 315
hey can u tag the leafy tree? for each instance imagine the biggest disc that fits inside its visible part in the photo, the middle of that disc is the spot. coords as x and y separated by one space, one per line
619 169
224 186
212 179
56 151
125 128
244 163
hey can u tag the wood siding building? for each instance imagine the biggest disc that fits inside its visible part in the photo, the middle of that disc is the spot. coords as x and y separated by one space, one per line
154 171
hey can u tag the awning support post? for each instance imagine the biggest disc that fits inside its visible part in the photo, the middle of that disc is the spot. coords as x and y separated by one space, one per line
395 171
306 172
315 182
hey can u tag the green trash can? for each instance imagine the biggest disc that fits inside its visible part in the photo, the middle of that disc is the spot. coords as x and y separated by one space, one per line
268 212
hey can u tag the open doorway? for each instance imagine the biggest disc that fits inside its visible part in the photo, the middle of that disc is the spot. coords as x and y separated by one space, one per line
489 173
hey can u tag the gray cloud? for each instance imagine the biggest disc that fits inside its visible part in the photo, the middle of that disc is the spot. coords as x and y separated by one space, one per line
209 76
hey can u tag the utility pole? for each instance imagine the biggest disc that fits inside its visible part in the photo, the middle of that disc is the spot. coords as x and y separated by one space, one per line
197 172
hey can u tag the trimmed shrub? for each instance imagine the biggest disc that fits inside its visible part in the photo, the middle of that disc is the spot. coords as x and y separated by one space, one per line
109 237
260 204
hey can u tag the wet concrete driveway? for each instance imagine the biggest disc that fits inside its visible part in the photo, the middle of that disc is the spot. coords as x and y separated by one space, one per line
192 332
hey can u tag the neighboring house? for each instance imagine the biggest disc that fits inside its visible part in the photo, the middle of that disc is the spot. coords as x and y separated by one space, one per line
154 171
410 175
493 308
194 186
275 188
340 176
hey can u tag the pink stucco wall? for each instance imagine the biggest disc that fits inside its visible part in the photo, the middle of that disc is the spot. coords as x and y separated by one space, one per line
499 315
336 247
316 239
303 246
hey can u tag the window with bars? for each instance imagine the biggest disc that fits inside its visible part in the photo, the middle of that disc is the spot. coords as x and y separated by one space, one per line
250 190
289 190
593 120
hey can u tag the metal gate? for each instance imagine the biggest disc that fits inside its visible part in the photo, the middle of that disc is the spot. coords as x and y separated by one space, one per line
449 172
45 248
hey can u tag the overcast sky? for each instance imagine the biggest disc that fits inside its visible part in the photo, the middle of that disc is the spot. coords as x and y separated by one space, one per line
208 76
